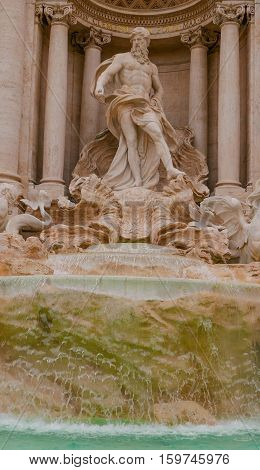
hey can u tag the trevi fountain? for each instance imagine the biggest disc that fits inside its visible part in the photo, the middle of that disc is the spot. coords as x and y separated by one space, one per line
129 296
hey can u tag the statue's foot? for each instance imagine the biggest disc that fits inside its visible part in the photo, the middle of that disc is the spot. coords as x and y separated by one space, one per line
174 173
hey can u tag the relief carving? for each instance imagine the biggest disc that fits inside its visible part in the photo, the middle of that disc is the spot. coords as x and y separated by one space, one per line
226 13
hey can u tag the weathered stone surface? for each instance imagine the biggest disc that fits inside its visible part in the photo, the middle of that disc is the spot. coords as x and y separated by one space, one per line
22 257
237 272
22 266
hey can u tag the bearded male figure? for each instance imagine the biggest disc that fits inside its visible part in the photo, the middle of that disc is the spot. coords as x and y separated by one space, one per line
129 83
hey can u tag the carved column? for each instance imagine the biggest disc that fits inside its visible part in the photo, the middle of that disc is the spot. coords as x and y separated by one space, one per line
12 27
251 97
35 98
229 17
199 40
59 16
31 95
92 44
256 123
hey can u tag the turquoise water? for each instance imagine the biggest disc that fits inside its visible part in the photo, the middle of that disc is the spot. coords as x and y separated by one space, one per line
41 435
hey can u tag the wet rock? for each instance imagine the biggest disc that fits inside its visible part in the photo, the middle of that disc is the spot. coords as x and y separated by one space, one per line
22 267
114 358
180 412
22 257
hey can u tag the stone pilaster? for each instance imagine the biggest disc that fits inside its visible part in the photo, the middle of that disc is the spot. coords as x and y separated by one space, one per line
59 16
255 164
229 17
35 96
12 53
31 92
250 96
92 43
199 40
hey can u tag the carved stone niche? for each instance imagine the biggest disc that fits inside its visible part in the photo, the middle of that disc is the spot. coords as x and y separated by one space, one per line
164 18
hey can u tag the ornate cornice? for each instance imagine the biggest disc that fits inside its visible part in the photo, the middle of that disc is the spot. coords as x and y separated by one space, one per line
199 37
161 23
56 12
225 13
92 38
182 17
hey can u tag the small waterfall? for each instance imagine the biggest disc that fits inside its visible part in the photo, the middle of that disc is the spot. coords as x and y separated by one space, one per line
114 347
129 259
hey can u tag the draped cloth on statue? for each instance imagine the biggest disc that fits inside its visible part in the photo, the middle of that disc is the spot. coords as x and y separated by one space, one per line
185 157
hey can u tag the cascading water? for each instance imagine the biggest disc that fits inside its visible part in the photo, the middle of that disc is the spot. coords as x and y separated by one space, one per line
96 348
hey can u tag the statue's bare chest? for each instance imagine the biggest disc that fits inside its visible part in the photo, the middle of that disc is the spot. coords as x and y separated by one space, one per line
134 66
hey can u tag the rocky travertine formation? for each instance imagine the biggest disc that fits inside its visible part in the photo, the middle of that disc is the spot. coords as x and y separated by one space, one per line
72 354
214 231
22 257
102 215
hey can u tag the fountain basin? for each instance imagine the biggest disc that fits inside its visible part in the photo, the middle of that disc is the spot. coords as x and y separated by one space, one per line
144 260
80 346
135 288
128 259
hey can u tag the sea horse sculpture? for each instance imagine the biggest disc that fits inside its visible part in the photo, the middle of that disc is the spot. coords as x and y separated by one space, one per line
244 236
8 196
38 200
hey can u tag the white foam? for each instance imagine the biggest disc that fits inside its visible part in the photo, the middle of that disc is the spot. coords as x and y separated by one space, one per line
222 428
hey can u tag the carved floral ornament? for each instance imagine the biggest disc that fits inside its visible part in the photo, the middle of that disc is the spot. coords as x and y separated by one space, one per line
94 37
251 13
234 13
199 37
56 12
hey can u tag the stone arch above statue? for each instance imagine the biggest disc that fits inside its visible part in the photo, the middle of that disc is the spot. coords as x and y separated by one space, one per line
163 18
146 5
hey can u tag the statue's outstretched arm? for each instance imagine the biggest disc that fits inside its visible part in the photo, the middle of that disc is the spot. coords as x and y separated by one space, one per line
107 75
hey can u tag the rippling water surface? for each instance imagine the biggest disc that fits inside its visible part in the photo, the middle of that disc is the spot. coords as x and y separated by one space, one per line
15 434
